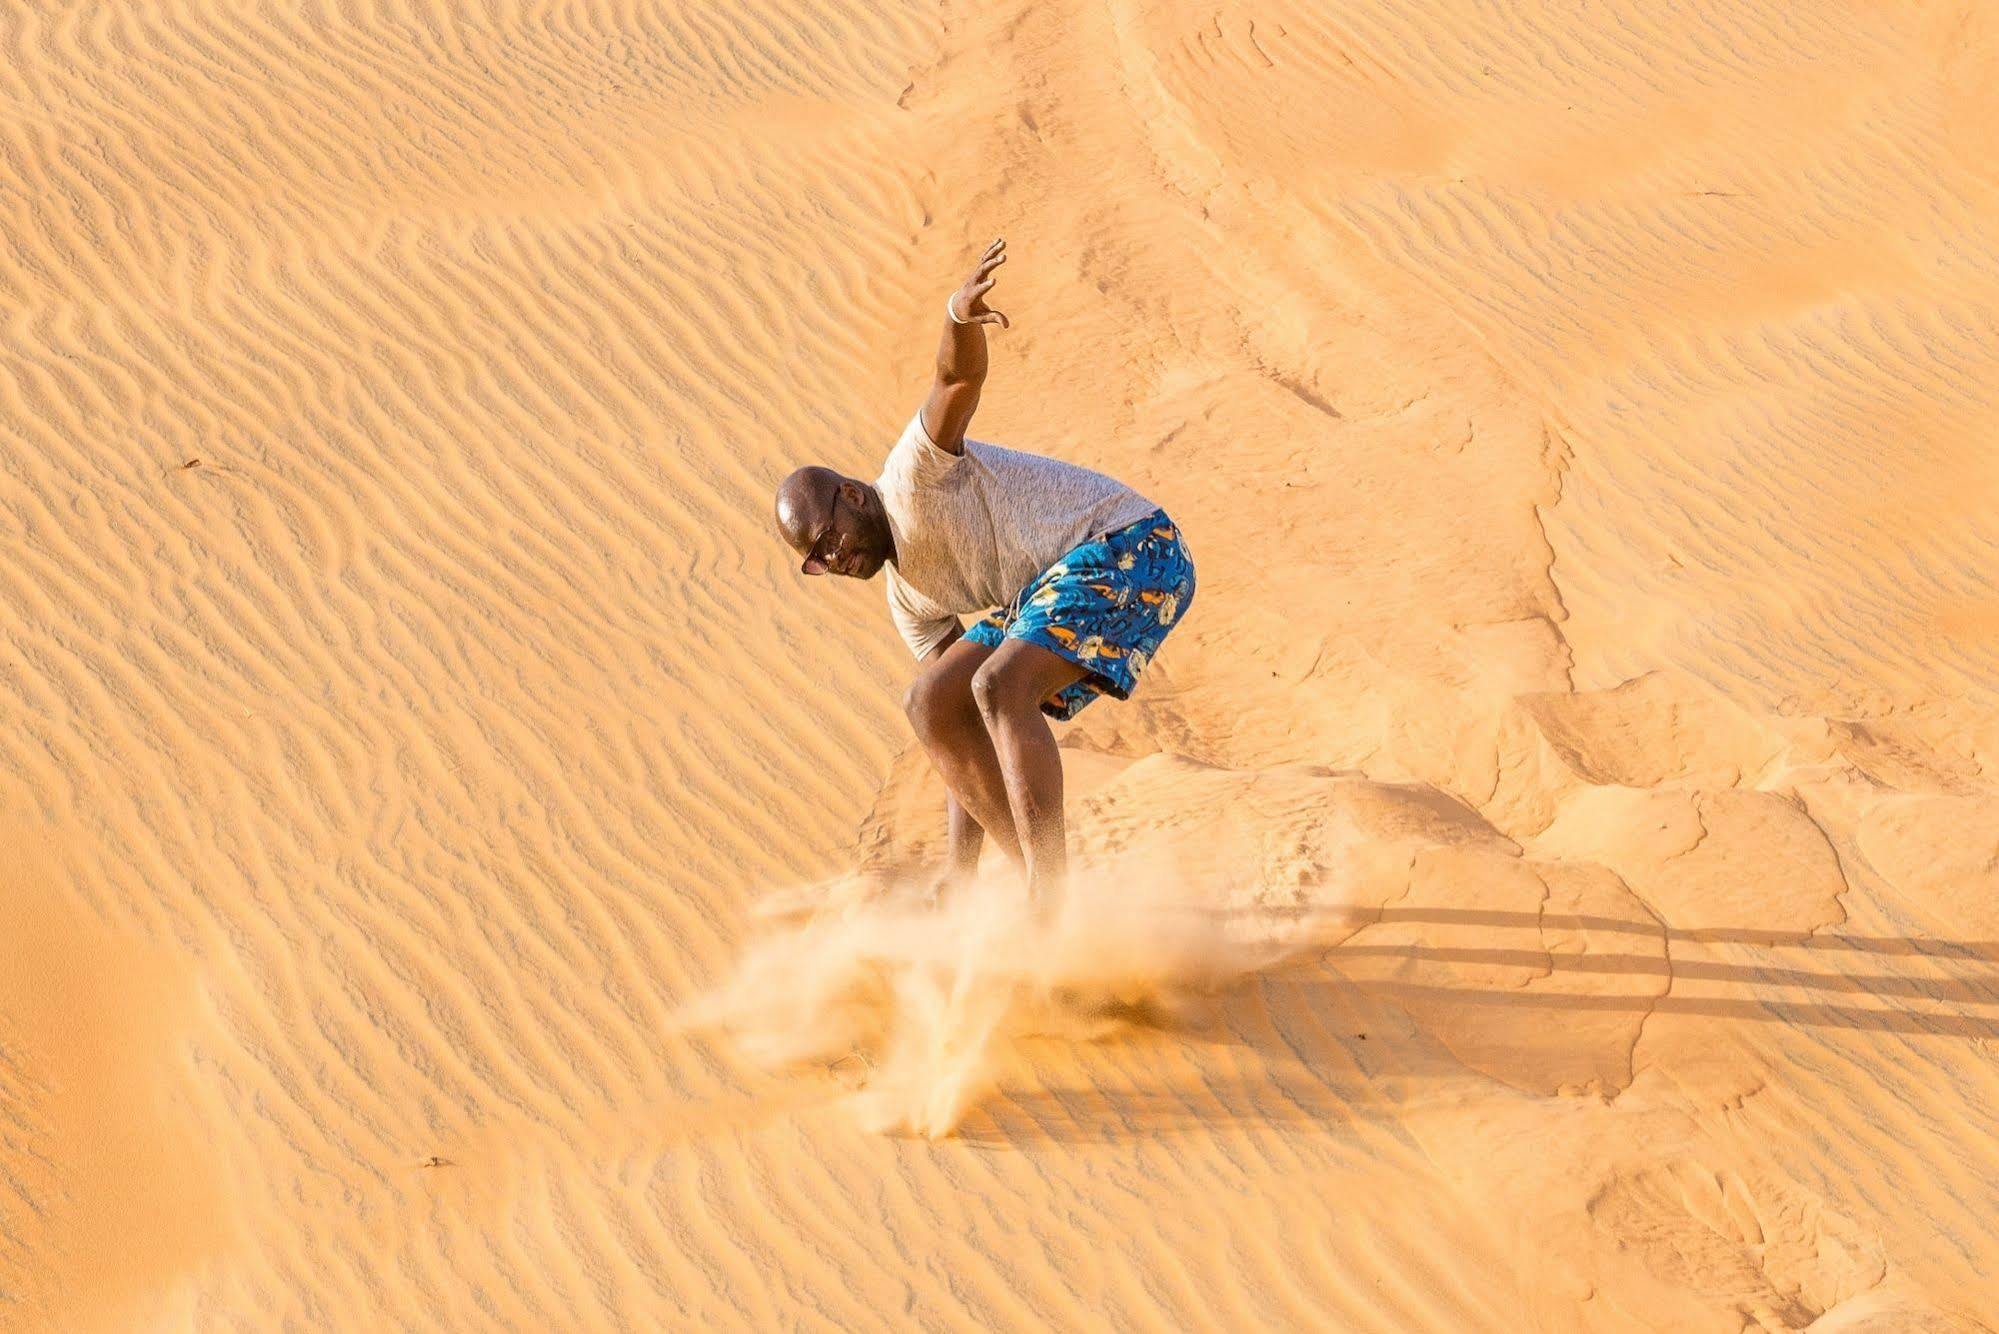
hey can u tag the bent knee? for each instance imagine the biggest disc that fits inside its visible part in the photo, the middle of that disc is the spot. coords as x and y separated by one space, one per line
937 702
998 691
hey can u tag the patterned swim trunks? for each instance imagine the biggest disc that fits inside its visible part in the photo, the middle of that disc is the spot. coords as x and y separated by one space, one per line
1106 606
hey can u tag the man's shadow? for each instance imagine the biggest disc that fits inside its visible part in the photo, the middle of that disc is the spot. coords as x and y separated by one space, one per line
1307 1025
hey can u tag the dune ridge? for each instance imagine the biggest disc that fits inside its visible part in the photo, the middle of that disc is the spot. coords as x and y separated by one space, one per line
1576 411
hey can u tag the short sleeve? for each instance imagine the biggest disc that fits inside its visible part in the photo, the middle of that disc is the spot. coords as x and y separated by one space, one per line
923 458
922 624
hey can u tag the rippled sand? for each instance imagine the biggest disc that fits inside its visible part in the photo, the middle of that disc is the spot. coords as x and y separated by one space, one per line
1582 416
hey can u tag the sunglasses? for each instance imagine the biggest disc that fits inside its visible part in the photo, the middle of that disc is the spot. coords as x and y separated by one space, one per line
820 558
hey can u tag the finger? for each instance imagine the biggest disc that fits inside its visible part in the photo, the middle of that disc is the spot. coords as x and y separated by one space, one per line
994 317
984 287
988 265
999 243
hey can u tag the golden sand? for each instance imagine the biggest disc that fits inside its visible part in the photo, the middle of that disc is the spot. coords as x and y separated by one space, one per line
1582 416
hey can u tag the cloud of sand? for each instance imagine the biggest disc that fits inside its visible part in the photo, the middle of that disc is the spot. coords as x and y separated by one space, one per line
922 1002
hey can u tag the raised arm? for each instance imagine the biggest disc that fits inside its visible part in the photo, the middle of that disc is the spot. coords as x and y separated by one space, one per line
961 355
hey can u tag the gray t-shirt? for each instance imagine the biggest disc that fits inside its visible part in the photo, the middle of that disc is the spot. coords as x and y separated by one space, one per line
972 530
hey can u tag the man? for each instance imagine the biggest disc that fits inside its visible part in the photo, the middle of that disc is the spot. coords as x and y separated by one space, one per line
1086 575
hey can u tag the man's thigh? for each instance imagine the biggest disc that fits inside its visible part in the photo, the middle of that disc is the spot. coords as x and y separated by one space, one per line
1021 672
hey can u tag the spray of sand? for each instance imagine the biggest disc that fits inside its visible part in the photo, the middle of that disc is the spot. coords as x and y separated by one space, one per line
922 1002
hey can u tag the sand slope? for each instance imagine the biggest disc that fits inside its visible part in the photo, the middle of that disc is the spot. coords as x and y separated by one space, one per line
1581 417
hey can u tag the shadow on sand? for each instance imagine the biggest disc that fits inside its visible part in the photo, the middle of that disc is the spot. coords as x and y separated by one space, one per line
1304 1022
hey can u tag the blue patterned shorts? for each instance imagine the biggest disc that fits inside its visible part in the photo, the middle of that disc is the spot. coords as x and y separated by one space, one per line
1106 606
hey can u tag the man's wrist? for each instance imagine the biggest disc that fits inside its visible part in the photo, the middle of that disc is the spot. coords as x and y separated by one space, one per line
951 309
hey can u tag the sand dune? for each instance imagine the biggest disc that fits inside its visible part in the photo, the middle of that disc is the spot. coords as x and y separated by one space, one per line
1580 414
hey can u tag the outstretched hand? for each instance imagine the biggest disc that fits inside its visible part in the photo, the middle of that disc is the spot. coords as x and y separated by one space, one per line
969 301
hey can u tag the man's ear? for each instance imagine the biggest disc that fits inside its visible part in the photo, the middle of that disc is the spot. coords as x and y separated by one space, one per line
850 491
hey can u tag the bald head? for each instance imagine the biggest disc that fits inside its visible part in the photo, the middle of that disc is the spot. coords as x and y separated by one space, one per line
835 523
804 503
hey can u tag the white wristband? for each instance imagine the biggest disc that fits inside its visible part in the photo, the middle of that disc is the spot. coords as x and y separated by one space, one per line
952 310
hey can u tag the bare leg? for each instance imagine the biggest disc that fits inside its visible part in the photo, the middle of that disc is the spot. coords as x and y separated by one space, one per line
1009 689
947 722
967 839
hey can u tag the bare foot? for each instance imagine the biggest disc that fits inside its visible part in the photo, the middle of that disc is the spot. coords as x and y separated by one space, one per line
941 886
